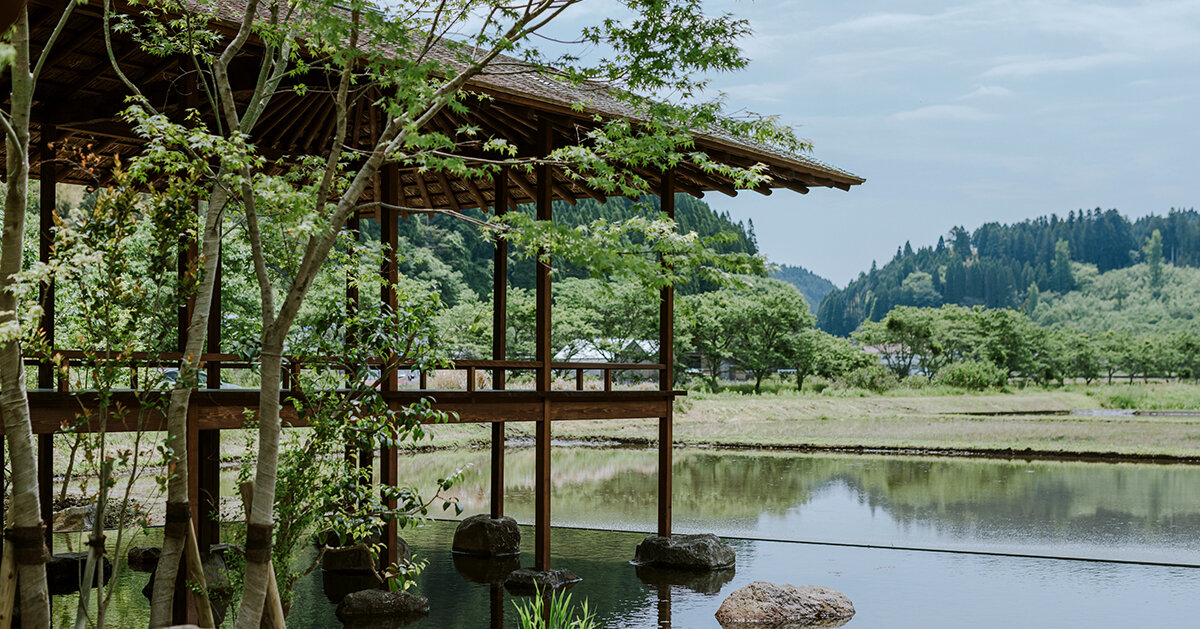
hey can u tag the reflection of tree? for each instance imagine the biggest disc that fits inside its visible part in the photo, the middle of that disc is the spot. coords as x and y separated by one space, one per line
1065 498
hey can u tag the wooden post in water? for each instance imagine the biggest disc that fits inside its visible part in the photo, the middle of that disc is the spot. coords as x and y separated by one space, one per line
543 350
389 226
666 356
499 338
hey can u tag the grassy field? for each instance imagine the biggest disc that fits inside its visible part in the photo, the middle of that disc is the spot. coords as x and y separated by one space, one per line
1037 421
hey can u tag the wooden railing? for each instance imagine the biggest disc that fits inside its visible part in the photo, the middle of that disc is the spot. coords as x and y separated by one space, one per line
215 364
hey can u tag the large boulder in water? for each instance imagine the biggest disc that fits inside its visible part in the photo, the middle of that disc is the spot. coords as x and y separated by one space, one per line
484 536
381 608
685 552
765 604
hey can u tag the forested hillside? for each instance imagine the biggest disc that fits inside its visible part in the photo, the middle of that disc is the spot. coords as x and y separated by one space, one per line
812 286
1001 265
453 253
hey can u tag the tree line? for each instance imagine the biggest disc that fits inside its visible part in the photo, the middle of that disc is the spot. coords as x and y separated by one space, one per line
997 265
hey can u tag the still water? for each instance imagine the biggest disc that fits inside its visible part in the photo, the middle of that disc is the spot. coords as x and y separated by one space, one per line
1128 512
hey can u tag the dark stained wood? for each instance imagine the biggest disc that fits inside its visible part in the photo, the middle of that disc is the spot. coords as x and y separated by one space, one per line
45 474
499 342
390 233
47 201
541 484
666 356
209 533
543 351
213 338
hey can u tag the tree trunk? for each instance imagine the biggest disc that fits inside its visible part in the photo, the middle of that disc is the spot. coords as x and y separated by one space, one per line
258 533
14 404
799 381
758 378
178 516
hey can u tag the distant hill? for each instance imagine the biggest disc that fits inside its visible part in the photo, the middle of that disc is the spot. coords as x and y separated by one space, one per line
998 264
452 252
1123 300
813 286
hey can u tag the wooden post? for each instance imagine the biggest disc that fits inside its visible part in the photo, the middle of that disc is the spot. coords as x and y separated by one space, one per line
666 356
45 473
499 340
208 527
389 226
543 350
47 200
8 585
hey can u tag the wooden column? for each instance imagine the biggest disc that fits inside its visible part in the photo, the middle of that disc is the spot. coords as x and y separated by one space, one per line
45 474
389 233
208 442
499 338
666 379
48 200
543 350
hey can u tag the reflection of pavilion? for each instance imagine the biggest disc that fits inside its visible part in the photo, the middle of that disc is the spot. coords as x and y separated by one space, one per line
79 97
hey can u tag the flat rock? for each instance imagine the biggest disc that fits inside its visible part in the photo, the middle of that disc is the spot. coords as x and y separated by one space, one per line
484 536
381 608
77 518
765 604
528 580
685 552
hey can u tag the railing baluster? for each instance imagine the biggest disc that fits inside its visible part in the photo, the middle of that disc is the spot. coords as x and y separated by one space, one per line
608 379
579 379
471 379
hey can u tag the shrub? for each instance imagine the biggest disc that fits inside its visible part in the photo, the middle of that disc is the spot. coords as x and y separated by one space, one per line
872 378
972 374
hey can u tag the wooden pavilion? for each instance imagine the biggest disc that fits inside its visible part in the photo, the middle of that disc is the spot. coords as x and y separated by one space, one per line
78 97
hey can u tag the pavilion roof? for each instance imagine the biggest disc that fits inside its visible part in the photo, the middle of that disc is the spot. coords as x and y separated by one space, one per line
80 95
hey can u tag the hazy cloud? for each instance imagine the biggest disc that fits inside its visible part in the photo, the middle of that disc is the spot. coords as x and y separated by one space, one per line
941 112
1038 66
987 91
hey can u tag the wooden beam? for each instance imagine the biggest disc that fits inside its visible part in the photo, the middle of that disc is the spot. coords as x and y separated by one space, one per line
447 190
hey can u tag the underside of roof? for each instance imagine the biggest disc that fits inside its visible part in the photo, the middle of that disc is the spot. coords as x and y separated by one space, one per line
79 97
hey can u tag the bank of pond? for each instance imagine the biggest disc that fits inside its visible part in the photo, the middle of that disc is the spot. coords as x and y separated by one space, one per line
913 541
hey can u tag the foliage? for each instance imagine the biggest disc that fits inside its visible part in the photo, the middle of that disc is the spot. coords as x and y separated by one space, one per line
997 264
973 375
873 378
812 286
534 613
453 253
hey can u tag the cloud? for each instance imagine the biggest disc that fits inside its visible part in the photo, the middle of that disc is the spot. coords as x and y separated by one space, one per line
940 112
987 91
1024 68
890 21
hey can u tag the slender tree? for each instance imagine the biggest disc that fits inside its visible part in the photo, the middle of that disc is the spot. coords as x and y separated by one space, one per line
27 526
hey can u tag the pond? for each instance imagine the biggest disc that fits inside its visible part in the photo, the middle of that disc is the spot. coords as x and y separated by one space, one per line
784 512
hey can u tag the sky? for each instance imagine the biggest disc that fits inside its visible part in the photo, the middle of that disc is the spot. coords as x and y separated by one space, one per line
966 113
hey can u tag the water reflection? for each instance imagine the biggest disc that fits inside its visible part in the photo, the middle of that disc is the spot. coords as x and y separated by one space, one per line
1116 511
1125 510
